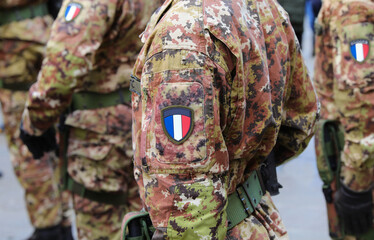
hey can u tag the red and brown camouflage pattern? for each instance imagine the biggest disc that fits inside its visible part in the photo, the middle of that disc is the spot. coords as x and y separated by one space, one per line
237 65
94 52
21 52
345 86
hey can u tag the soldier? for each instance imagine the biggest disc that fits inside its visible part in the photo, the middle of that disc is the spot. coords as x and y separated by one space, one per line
86 72
217 86
344 79
24 30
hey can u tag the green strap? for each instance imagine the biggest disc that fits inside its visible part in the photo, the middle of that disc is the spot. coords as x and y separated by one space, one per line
135 85
243 202
113 198
20 86
92 100
145 229
19 14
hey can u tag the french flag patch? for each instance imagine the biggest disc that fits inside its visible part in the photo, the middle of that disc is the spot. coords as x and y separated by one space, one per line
360 49
177 122
72 11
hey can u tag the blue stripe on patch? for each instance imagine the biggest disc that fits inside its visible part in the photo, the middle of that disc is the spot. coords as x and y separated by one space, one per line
169 125
353 50
67 10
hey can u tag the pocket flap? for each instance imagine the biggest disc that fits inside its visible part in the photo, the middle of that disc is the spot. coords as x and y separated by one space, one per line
95 152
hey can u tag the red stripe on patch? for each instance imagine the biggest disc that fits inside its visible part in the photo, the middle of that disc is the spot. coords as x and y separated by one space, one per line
77 10
366 49
186 123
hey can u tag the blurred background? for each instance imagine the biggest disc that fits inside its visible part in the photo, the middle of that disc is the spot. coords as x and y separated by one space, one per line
300 202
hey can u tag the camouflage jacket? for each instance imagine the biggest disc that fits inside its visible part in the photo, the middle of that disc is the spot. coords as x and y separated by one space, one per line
22 43
93 47
344 79
222 84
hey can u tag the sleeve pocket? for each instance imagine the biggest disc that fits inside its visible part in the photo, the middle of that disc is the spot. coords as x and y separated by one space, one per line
354 59
176 136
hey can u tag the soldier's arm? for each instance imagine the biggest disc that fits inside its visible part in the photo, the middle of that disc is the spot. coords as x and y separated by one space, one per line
300 109
76 34
354 95
323 67
180 154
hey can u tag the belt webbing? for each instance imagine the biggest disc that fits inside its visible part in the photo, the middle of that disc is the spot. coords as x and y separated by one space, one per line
92 100
135 85
113 198
244 200
19 14
21 86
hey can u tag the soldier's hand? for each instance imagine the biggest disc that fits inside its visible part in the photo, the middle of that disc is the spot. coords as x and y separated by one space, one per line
38 145
354 210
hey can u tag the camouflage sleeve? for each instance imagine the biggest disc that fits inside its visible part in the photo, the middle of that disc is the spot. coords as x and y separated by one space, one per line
76 34
323 67
300 109
354 91
181 159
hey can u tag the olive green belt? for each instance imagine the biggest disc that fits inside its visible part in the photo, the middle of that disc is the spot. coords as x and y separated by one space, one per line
242 202
92 100
19 14
113 198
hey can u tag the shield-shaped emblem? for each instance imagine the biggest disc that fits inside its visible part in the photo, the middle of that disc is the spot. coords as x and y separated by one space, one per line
360 49
177 122
72 11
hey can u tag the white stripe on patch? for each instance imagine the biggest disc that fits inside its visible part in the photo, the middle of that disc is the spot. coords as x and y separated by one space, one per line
71 13
177 121
359 52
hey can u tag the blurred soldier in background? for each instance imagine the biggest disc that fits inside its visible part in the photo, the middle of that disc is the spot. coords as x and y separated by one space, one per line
344 79
86 73
218 86
24 30
296 11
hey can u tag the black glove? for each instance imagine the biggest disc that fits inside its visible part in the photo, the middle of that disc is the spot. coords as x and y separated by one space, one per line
54 7
354 210
38 145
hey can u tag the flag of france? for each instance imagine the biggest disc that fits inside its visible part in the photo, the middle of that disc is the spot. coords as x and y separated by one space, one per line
72 11
360 50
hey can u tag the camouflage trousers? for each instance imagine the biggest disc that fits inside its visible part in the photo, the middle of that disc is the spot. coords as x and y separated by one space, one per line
264 223
101 163
46 205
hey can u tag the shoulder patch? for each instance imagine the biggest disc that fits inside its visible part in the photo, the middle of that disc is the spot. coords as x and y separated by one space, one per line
360 49
177 123
72 11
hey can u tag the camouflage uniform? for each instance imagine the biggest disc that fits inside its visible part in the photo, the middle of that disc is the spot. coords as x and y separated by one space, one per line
236 67
21 52
344 81
92 49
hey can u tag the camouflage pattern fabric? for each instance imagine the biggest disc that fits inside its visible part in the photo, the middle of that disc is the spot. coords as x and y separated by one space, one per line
21 53
233 72
344 83
93 47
